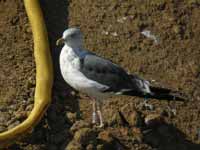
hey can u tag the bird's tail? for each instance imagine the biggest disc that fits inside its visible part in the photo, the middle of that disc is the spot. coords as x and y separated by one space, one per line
165 94
144 89
158 93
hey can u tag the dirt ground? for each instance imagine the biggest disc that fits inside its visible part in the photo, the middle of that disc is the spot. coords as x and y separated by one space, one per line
113 29
17 74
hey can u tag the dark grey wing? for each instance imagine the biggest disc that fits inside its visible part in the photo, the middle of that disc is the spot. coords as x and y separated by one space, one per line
105 72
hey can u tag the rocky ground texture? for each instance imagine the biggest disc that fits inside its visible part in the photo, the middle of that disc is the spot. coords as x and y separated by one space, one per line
168 58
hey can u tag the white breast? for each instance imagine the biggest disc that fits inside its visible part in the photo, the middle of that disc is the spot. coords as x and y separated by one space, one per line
70 69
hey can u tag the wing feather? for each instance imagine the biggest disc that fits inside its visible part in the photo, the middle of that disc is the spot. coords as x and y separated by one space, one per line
105 72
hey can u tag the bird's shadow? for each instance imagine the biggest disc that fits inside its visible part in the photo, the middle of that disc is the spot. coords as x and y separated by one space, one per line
166 136
56 19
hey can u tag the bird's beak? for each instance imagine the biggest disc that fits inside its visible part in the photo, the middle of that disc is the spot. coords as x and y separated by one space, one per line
60 41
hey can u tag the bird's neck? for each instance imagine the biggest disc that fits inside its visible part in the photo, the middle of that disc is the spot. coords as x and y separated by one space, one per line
76 51
74 44
74 47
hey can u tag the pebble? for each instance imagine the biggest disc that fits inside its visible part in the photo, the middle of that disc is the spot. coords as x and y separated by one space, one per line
176 29
148 34
112 117
2 108
84 136
13 124
78 125
114 34
28 28
2 128
90 147
4 117
131 115
21 115
108 141
14 20
29 107
73 145
71 116
105 136
137 134
153 119
100 147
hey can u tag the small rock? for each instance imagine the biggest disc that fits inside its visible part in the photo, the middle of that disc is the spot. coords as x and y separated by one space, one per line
105 136
4 117
13 107
131 115
30 83
11 121
100 147
2 108
148 34
153 119
137 134
160 5
71 116
112 117
73 145
28 28
84 136
2 128
14 20
176 29
114 34
13 124
124 131
193 2
29 107
90 147
105 32
21 115
108 142
78 125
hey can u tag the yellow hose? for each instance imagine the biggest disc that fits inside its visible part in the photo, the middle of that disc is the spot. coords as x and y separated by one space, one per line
44 75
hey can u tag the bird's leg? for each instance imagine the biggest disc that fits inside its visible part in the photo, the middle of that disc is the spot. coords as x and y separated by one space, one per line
94 113
99 105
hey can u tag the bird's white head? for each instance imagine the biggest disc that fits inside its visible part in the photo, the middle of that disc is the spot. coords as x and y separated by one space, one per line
71 37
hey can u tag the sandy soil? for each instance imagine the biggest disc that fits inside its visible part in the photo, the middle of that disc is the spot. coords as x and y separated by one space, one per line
17 74
113 30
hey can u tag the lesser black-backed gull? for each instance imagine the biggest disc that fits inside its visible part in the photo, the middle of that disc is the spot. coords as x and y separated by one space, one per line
99 77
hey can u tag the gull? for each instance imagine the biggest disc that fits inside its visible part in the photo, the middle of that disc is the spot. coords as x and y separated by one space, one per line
98 77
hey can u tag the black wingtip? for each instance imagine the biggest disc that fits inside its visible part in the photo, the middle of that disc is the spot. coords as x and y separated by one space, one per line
160 94
166 94
169 97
